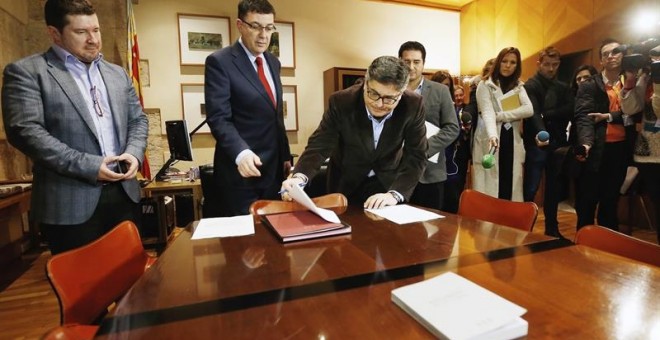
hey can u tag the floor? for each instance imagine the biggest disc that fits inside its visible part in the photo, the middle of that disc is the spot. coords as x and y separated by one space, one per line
29 308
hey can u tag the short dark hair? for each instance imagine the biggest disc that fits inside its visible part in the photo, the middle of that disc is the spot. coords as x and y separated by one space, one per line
55 11
413 46
606 41
506 83
549 52
256 6
389 70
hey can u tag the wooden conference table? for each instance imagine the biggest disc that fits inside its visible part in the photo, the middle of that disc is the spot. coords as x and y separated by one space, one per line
255 287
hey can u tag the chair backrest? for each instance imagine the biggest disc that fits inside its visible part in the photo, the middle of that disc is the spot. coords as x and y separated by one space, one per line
265 207
88 279
519 215
617 243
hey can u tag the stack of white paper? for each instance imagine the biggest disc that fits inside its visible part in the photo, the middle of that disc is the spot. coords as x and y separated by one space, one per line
451 306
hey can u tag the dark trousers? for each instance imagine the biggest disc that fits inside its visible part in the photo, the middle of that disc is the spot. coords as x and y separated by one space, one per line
650 184
538 160
429 195
600 189
370 186
234 201
114 206
505 164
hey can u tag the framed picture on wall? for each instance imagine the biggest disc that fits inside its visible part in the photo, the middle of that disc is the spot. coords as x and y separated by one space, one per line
283 44
194 109
201 35
290 106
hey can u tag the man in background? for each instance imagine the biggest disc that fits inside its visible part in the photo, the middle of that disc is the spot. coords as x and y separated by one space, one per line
79 119
243 93
440 117
553 110
374 134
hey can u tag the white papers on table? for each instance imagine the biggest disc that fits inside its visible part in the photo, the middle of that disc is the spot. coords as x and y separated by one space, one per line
403 213
300 196
431 130
224 227
451 306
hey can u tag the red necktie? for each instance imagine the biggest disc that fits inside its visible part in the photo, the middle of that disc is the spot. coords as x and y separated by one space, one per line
264 81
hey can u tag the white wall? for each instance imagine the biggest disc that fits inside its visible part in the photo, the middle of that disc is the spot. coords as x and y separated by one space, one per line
328 33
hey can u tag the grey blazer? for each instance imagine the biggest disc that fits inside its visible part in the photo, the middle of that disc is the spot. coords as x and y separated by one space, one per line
440 112
46 118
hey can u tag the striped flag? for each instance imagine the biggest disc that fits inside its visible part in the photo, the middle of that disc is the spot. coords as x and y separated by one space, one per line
133 61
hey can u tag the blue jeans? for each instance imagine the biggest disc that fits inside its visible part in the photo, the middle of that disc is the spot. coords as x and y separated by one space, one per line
535 163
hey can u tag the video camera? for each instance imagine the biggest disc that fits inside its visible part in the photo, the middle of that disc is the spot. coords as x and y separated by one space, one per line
641 55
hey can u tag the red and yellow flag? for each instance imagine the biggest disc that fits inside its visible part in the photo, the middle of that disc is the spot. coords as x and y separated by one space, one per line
133 61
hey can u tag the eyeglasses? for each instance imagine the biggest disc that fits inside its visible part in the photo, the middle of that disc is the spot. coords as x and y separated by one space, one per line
258 28
96 100
387 100
611 53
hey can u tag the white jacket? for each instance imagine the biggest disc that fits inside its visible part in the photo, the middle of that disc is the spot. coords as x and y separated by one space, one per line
489 124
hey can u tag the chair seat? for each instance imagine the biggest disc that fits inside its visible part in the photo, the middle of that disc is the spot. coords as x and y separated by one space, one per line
610 241
519 215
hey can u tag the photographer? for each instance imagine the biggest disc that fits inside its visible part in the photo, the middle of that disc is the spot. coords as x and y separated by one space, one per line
601 141
641 96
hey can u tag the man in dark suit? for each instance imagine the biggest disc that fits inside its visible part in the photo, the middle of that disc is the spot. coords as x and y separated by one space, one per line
440 114
78 118
243 95
363 132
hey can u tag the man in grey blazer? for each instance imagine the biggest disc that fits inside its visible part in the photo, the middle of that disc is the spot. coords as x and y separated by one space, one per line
243 94
80 121
440 114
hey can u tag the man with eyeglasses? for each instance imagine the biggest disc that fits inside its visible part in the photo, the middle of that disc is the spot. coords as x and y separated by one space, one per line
600 132
79 119
374 135
243 94
440 115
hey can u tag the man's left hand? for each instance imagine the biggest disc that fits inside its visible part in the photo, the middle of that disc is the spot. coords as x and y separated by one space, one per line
132 164
378 201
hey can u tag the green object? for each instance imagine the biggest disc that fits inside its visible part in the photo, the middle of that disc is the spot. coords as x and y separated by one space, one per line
488 161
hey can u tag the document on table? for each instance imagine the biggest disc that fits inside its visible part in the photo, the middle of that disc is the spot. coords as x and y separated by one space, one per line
431 130
301 197
224 227
454 307
403 213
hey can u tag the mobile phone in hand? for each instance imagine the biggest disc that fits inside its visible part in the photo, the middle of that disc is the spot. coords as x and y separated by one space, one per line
122 167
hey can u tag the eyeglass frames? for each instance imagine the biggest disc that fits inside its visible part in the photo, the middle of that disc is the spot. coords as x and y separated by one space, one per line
96 100
375 96
258 28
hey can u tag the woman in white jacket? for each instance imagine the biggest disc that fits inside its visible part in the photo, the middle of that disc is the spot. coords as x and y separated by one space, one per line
503 103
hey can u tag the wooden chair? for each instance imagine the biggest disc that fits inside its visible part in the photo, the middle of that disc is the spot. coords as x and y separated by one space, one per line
88 279
610 241
519 215
265 207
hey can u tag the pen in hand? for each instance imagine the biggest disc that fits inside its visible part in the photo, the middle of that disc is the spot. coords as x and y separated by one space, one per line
301 185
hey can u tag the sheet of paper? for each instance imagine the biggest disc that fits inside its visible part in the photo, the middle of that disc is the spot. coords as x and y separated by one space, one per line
300 196
224 227
431 130
403 213
458 307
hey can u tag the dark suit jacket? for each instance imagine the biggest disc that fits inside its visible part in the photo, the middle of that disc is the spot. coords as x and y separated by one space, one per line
242 116
346 132
440 112
47 119
553 109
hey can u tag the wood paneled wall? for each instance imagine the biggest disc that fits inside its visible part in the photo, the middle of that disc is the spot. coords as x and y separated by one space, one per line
572 26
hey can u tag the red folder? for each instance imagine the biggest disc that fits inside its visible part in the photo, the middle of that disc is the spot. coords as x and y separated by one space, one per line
303 225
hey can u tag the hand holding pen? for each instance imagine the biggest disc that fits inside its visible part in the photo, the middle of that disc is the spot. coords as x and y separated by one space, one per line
288 184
